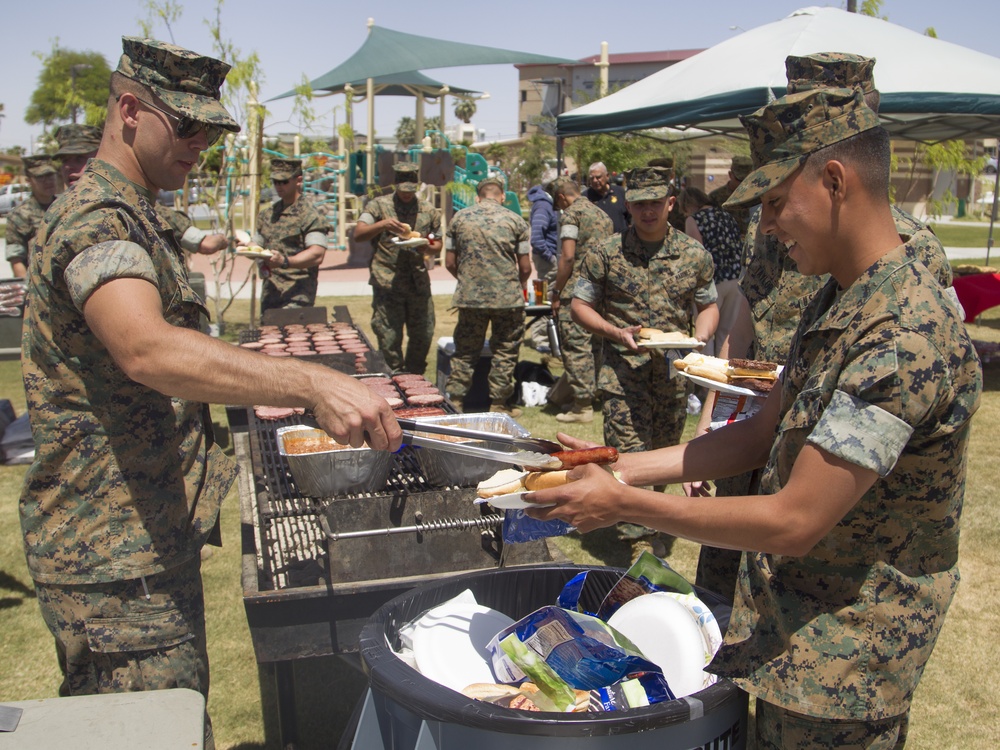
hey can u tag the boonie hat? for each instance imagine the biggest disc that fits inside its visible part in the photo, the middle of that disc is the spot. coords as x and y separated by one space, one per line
490 181
786 131
187 82
829 70
75 140
285 169
741 166
648 183
407 178
39 166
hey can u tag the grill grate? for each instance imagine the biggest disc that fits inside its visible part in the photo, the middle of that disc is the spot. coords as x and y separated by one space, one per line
293 547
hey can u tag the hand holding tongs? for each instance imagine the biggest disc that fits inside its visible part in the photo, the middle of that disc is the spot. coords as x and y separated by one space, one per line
525 451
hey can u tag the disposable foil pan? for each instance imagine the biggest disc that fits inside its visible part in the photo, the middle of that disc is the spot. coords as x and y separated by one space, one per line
444 469
334 472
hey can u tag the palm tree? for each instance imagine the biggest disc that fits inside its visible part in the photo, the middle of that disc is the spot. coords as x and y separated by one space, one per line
465 108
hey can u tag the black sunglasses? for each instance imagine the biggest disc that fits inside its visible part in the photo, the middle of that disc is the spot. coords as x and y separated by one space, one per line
280 182
188 127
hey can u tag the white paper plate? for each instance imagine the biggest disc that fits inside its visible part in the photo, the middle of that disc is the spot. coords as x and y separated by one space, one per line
734 390
703 617
415 242
692 344
512 501
663 629
449 643
251 254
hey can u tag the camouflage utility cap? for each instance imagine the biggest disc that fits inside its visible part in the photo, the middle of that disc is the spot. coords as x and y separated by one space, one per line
407 177
187 82
38 166
648 183
490 181
661 161
285 169
829 70
75 140
785 132
741 166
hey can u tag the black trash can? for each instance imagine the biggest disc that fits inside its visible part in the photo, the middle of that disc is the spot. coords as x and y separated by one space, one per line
406 711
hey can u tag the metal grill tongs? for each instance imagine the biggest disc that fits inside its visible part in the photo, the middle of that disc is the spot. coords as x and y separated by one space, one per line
532 453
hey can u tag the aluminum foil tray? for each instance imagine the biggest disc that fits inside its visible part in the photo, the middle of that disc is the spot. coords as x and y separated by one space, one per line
445 469
335 472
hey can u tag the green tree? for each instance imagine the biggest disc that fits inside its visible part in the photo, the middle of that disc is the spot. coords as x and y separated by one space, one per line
465 109
70 81
167 13
406 130
531 162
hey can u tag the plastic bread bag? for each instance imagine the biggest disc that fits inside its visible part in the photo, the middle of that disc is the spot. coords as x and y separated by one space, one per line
578 652
647 574
519 528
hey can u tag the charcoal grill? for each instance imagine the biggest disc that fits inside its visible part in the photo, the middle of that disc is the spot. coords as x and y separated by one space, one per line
315 569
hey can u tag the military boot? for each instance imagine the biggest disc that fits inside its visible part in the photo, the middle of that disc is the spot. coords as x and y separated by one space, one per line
504 409
582 413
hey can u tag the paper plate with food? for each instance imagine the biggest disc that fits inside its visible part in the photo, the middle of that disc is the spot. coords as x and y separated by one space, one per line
253 251
409 238
740 377
506 488
654 338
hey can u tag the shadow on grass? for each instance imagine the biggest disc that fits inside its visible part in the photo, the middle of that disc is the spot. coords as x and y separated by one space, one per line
991 376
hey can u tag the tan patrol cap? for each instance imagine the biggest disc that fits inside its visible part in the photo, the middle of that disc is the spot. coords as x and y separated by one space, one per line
786 131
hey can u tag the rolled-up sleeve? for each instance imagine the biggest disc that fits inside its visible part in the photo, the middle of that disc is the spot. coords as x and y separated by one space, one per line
861 433
104 262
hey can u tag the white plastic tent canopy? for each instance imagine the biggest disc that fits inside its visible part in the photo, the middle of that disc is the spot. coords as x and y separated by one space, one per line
931 90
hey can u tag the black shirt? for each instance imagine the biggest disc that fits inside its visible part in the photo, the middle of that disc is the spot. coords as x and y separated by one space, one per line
613 204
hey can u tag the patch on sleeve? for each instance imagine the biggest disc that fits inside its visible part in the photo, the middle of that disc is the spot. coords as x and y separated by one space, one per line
587 290
104 262
860 433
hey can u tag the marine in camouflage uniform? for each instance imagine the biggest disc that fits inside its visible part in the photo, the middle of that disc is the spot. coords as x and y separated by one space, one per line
23 221
401 286
77 144
488 249
585 225
291 227
777 293
740 167
629 282
881 375
126 483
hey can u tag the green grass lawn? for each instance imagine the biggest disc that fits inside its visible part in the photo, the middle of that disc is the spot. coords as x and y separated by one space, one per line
965 235
952 708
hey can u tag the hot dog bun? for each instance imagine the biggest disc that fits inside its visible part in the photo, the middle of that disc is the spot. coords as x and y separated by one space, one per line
504 482
545 480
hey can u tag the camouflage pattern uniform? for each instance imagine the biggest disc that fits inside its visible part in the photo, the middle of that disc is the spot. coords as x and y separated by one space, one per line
629 284
740 167
23 221
588 225
290 230
777 294
401 286
126 483
486 239
882 375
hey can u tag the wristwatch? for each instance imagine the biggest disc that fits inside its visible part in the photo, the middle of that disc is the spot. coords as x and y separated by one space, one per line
284 261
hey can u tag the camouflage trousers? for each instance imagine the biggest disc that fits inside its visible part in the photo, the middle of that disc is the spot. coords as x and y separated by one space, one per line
578 356
391 314
650 415
781 729
278 292
117 638
506 331
718 568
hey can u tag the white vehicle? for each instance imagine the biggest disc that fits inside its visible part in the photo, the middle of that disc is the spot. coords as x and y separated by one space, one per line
12 196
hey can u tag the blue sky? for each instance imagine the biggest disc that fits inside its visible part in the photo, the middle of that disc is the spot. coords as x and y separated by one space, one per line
309 37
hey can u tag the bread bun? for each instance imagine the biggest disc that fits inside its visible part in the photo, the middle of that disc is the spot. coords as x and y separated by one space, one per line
649 333
414 235
544 480
504 482
704 360
709 373
406 228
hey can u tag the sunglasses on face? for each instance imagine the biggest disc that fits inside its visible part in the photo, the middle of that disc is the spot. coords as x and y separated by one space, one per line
280 182
188 127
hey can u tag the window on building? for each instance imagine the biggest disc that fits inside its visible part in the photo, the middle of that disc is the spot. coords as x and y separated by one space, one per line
524 95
